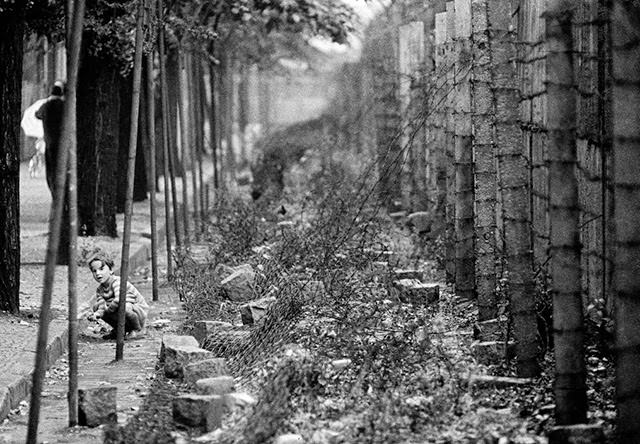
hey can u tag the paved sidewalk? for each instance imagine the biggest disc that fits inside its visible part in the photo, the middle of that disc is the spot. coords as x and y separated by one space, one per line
17 351
132 377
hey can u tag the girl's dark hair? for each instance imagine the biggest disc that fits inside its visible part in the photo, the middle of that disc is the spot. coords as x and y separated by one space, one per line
102 257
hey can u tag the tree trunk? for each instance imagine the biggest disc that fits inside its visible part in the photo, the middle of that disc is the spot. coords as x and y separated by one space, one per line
98 123
227 91
185 147
75 20
11 37
213 124
173 80
514 190
189 128
625 26
140 184
131 171
151 131
485 166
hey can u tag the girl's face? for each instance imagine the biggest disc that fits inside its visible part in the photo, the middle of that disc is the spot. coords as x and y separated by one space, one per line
101 271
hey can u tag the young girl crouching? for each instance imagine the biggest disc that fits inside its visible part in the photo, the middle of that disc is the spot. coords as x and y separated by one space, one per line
108 296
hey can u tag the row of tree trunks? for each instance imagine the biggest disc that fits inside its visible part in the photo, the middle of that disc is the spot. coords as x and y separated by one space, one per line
98 143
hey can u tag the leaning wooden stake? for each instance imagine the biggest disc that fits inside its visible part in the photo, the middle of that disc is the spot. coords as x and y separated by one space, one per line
151 112
55 223
70 98
625 25
131 169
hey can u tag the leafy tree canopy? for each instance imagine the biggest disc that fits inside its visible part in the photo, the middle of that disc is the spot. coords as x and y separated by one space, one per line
251 28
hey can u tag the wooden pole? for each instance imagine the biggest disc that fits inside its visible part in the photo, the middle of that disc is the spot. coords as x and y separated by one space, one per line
151 128
213 120
165 146
55 223
200 112
168 136
72 395
131 169
192 129
184 137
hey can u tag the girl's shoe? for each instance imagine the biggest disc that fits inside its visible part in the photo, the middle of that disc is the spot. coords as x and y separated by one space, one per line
135 334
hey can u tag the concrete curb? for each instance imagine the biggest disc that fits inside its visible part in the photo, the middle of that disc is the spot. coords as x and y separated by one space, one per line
11 396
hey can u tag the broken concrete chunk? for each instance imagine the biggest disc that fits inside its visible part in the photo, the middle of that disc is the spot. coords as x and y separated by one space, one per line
239 284
173 341
199 411
409 274
203 329
397 215
340 364
252 312
577 434
289 438
482 381
326 436
412 291
178 358
238 400
200 253
218 385
211 437
97 406
286 224
490 330
205 368
492 352
420 221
